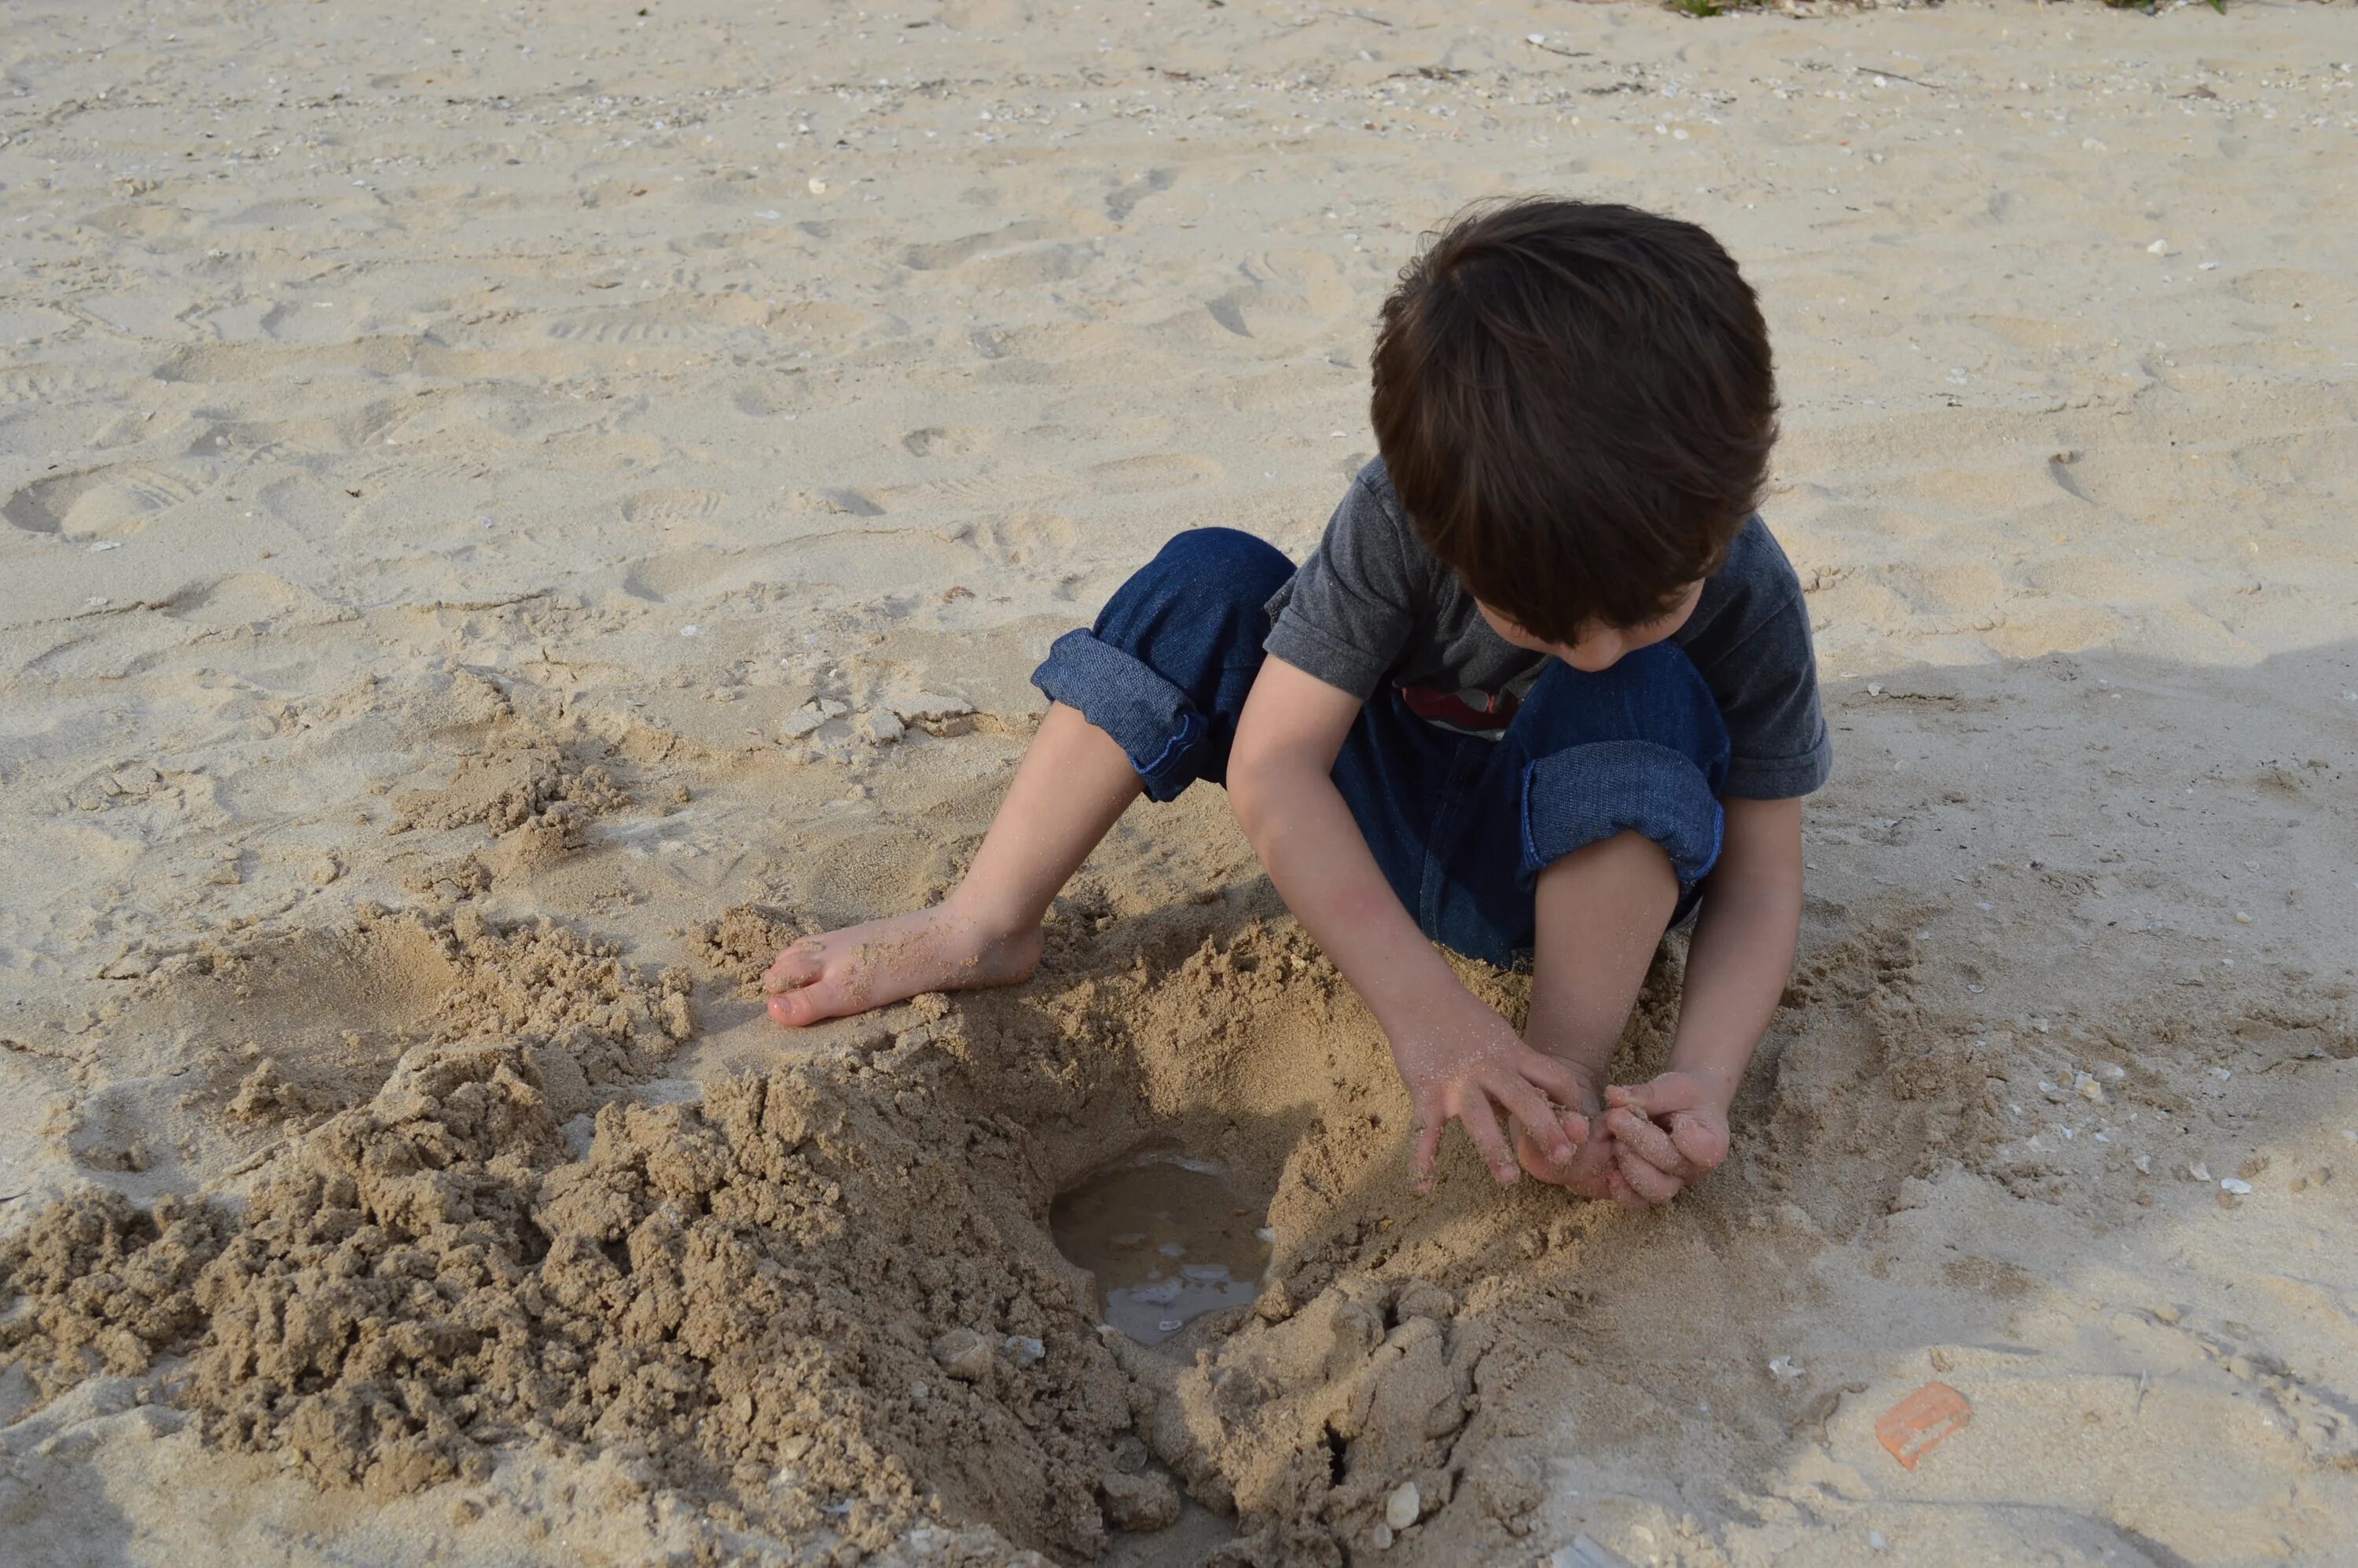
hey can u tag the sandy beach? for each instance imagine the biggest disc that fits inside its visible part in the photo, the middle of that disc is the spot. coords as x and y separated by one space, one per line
513 511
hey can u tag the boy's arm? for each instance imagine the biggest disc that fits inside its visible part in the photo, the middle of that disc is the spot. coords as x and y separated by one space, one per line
1672 1130
1454 1053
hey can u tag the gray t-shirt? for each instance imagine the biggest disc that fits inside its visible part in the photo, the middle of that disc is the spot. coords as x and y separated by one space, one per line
1372 606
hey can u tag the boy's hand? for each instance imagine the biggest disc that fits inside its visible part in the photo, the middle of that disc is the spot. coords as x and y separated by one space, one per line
1470 1069
1668 1134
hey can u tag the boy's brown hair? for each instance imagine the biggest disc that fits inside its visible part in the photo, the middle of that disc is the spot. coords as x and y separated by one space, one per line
1575 403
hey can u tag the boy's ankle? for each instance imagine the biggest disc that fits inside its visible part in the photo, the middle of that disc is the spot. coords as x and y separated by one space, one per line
984 924
1591 1081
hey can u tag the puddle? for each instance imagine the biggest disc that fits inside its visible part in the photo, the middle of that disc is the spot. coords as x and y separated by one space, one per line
1166 1240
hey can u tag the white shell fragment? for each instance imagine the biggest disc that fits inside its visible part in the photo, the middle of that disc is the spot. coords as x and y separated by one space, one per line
1401 1507
2089 1089
1022 1349
2199 1171
1785 1369
1580 1551
2236 1185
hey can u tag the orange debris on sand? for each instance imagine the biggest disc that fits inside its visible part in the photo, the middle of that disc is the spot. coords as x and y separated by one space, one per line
1911 1427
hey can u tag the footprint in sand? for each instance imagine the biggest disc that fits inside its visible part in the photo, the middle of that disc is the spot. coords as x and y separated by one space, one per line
659 577
1154 471
105 500
945 441
669 507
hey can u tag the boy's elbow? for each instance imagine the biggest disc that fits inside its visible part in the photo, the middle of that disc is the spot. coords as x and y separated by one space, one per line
1261 779
1250 790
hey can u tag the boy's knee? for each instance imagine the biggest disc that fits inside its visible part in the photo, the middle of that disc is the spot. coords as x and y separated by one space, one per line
1609 791
1628 856
1225 561
1214 582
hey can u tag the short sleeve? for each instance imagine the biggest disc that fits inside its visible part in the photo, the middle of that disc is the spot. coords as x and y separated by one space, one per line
1346 615
1779 747
1750 639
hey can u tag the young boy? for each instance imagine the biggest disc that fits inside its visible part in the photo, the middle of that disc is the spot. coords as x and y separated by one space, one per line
1544 688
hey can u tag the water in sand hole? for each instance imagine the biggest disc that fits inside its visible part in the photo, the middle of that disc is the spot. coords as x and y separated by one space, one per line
1166 1240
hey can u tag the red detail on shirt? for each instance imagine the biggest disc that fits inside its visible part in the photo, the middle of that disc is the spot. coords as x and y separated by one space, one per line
1451 707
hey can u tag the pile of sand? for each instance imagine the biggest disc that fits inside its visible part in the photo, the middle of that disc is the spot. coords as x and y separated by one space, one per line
823 1299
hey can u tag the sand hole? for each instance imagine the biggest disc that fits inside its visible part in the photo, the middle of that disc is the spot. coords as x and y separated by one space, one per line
1165 1239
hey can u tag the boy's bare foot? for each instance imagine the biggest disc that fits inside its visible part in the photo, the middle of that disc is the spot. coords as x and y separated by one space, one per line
1589 1171
885 961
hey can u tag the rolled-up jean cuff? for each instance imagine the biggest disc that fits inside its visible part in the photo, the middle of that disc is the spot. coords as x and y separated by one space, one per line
1151 720
1576 797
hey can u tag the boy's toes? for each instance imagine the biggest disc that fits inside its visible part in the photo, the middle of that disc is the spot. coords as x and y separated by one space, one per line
1533 1156
797 966
822 999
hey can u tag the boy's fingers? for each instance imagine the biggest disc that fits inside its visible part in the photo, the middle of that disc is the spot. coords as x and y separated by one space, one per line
1646 1140
1531 1107
1702 1145
1553 1076
1659 1097
1474 1110
1430 1121
1646 1181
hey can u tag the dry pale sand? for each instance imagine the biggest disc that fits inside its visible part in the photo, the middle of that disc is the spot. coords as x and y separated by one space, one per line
469 465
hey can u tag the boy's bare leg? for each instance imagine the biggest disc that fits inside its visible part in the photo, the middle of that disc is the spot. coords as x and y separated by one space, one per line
1602 912
1073 782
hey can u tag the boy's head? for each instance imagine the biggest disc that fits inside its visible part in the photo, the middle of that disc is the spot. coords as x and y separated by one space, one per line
1575 403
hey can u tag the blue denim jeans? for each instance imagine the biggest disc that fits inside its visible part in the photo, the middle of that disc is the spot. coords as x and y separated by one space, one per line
1461 826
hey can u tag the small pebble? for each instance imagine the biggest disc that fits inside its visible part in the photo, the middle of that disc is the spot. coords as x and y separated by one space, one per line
964 1355
1401 1507
2199 1171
